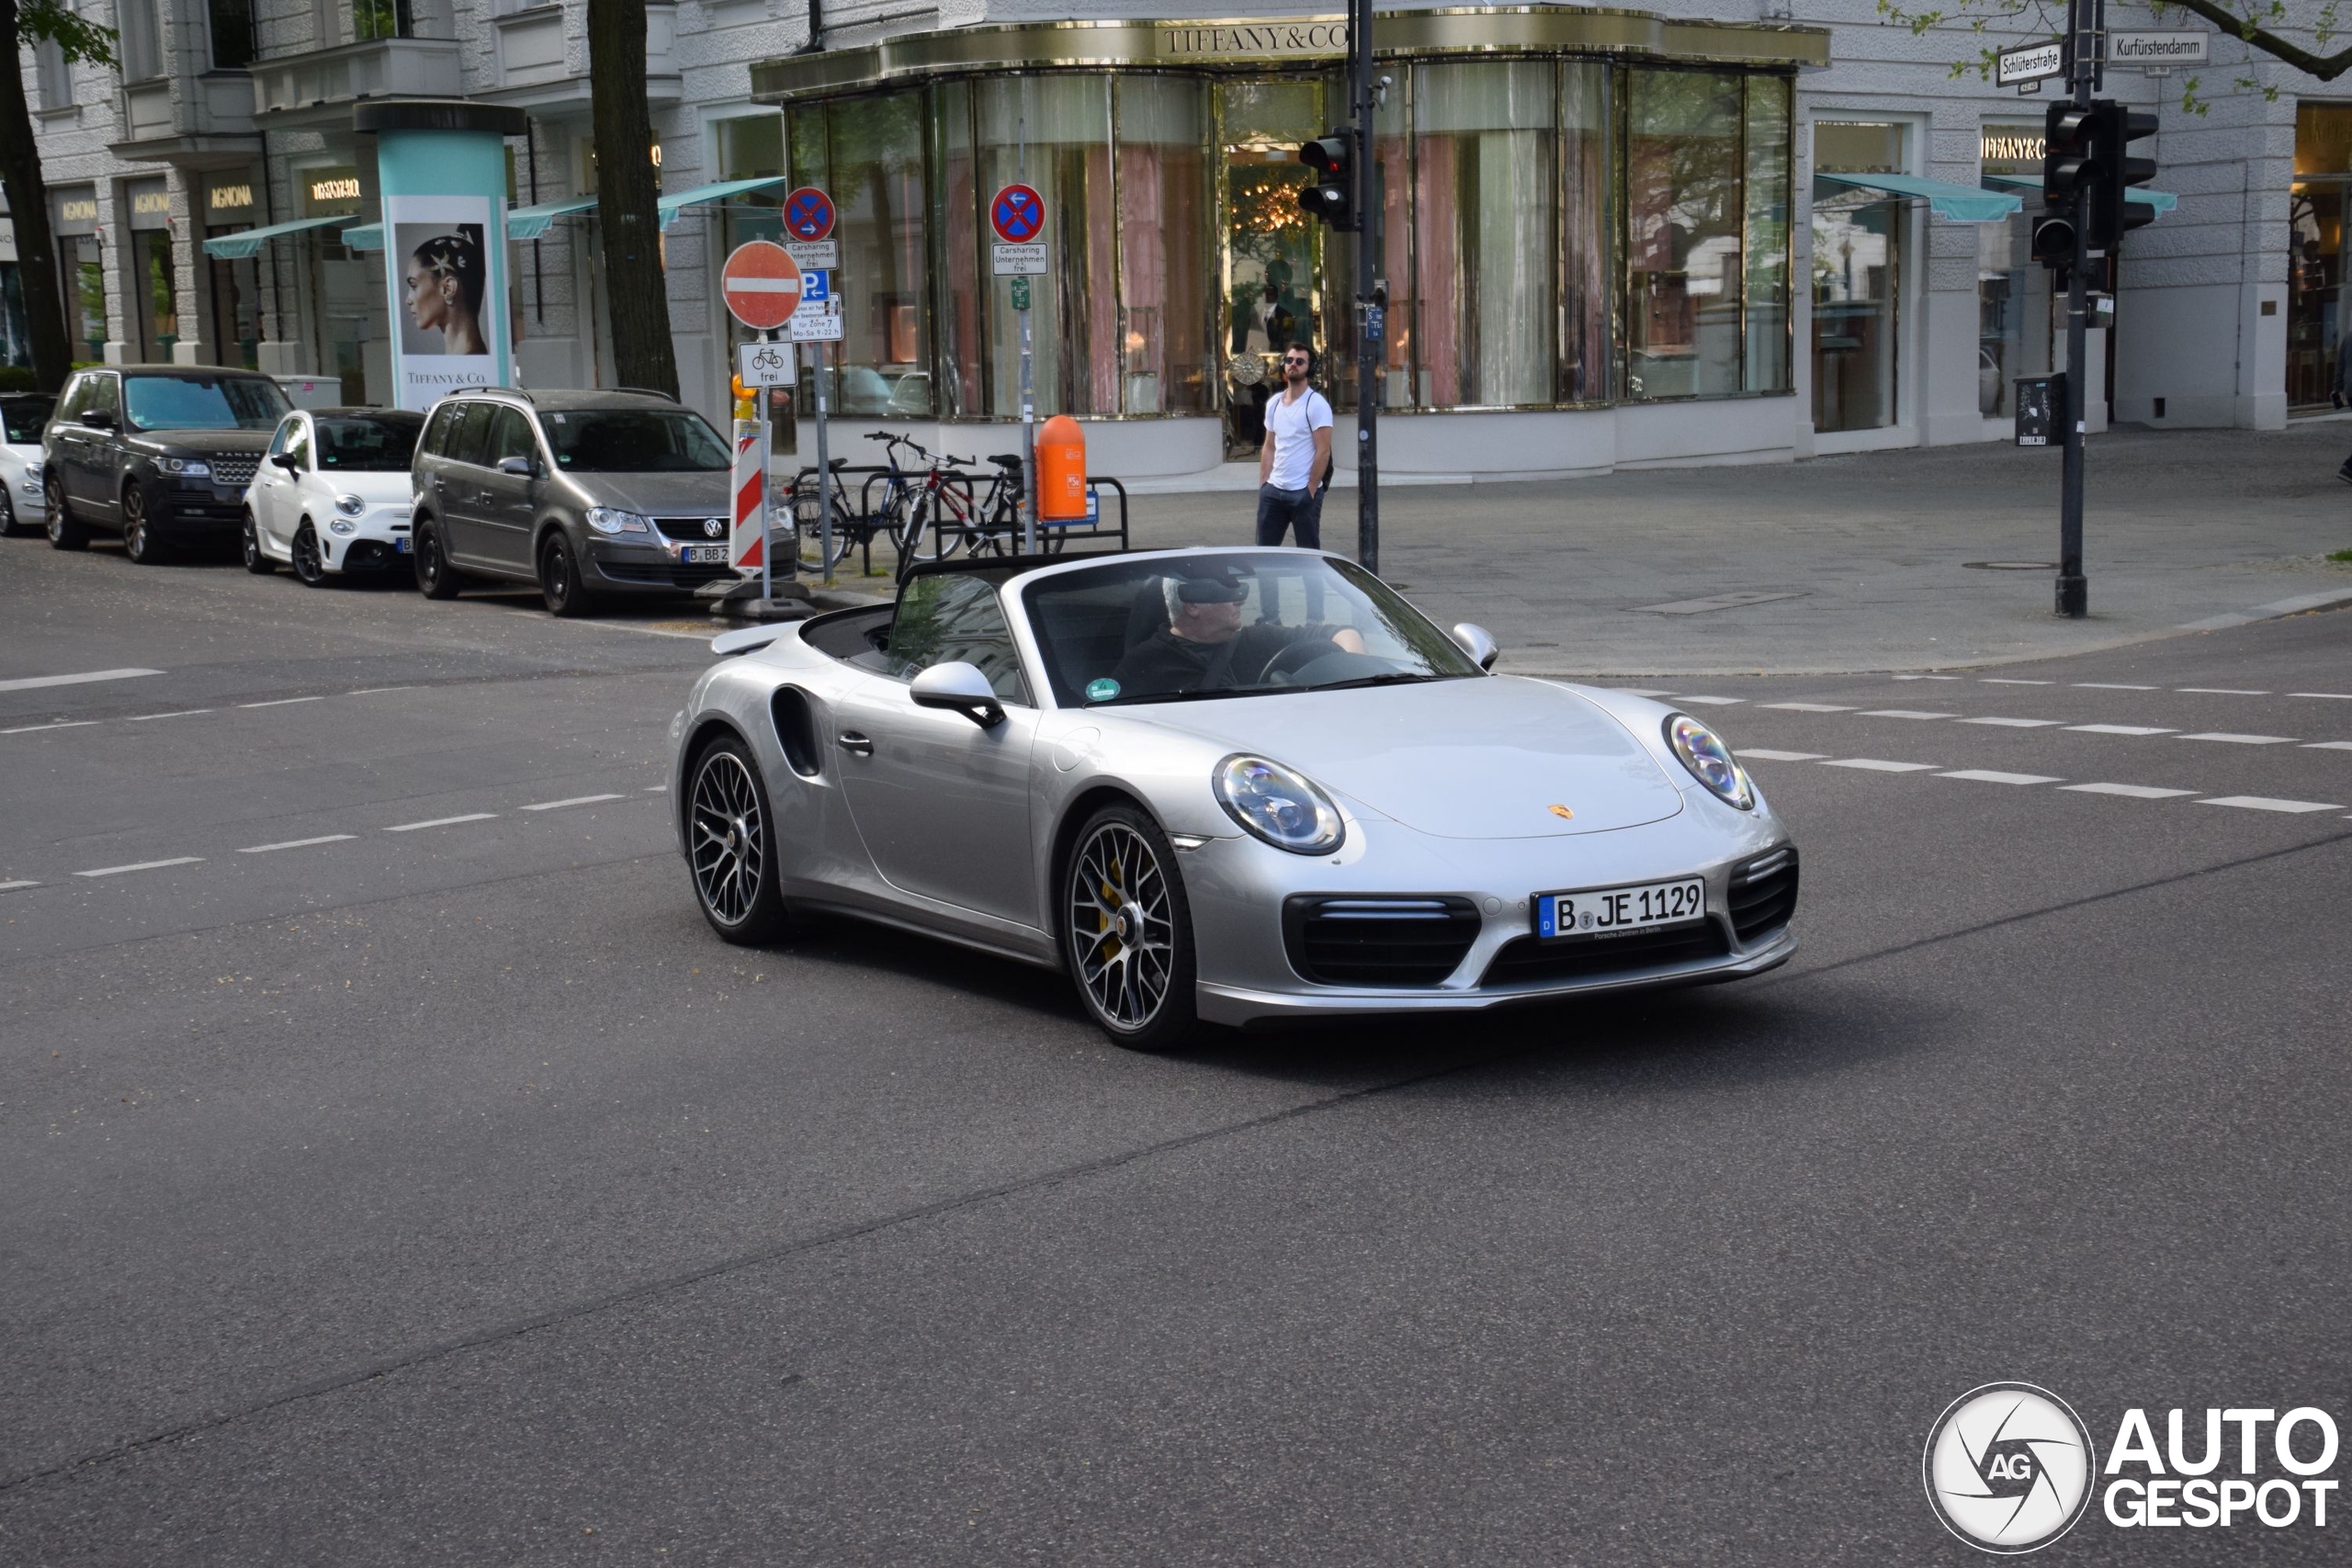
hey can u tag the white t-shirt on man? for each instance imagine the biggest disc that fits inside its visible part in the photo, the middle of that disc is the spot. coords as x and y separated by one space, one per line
1294 425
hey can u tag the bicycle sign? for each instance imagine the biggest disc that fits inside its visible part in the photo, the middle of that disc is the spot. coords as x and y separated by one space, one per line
767 364
761 285
1018 215
808 214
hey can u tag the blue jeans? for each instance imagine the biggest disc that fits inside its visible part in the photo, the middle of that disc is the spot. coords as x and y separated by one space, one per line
1299 511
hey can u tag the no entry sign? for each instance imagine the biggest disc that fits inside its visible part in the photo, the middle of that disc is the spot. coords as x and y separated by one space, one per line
761 285
1018 215
808 214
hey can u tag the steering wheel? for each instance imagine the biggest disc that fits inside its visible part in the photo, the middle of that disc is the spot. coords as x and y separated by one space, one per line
1289 660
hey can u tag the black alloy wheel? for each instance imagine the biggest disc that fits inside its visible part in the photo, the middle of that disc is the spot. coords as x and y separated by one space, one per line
559 583
1126 931
64 533
138 540
307 567
257 563
436 578
731 845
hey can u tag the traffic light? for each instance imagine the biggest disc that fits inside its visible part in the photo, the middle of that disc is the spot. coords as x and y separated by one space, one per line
2113 213
1327 194
2069 154
2053 243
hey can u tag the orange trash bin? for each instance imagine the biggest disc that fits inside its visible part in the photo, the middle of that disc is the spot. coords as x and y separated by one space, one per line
1061 471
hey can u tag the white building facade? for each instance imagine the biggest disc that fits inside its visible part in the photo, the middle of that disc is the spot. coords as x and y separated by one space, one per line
1614 237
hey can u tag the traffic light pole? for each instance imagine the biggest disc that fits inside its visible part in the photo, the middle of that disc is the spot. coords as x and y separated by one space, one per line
1371 320
2073 588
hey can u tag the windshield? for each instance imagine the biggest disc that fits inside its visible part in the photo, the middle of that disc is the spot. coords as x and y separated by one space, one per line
24 417
1241 625
634 441
376 442
196 402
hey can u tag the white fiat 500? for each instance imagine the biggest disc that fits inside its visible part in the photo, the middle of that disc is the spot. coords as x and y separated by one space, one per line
331 495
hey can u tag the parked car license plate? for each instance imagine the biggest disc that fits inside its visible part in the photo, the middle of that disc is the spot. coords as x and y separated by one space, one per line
1613 912
705 554
400 545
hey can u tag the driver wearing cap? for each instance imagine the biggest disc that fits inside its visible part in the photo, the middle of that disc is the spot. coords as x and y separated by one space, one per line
1205 647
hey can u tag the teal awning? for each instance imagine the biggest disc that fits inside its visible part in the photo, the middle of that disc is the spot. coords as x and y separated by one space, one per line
2162 200
530 222
248 241
1961 204
365 237
713 195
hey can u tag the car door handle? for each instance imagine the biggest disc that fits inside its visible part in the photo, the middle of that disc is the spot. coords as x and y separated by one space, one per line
850 741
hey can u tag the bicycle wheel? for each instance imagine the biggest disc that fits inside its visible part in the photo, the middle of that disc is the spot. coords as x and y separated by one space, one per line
931 534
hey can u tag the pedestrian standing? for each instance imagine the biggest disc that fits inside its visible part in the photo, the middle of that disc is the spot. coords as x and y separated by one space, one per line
1295 463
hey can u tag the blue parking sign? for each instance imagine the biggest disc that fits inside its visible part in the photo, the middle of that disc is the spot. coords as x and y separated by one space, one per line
815 286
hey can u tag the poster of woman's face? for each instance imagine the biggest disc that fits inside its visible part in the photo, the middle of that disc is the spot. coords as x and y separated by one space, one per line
446 294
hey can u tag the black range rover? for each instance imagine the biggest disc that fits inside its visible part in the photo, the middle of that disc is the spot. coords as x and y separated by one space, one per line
160 452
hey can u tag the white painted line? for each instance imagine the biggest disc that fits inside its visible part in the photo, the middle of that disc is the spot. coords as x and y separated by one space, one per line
1901 713
2131 792
179 712
2012 681
297 843
2264 803
371 691
2120 728
1871 764
1712 702
36 728
657 789
281 702
142 866
1927 677
2220 691
1986 776
1642 691
30 682
2017 723
576 800
1758 752
2224 735
2112 686
442 822
2328 745
12 887
2336 696
1810 707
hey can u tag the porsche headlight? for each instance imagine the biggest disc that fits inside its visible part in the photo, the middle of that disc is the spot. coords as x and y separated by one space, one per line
1710 761
1279 805
350 505
607 520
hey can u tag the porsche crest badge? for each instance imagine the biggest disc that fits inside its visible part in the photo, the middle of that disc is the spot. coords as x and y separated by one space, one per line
1563 813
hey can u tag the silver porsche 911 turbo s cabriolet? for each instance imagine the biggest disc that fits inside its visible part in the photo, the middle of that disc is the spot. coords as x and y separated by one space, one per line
1220 786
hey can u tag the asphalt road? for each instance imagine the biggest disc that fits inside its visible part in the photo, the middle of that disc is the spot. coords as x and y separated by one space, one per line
397 1170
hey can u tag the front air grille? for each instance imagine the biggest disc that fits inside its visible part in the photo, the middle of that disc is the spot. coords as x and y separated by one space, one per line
661 576
1581 958
692 530
234 469
1377 940
369 554
1764 893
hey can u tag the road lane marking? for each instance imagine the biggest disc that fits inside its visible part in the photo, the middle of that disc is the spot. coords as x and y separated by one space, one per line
1810 707
1873 765
2264 803
2017 723
2241 739
2220 691
371 691
2120 728
142 866
2012 681
2131 792
2112 686
442 822
1747 752
177 713
1642 691
1901 713
2328 745
281 702
1712 702
657 789
37 729
297 843
31 682
12 887
1986 776
2334 696
576 800
1927 677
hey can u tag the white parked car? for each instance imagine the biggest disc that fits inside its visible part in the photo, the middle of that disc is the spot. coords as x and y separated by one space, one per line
24 416
331 495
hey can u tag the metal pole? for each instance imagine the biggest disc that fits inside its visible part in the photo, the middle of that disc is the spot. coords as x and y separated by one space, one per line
824 473
1370 350
767 493
2073 589
1028 400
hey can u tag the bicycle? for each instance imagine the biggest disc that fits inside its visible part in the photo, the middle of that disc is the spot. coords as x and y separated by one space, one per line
941 508
890 512
851 531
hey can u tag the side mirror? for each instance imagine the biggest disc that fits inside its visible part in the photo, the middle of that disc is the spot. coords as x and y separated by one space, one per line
961 687
1478 644
521 468
287 461
99 418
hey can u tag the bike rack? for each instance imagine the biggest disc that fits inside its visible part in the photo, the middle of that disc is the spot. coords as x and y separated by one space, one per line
863 518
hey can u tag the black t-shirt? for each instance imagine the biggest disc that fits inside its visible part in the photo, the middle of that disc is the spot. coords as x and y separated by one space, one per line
1170 663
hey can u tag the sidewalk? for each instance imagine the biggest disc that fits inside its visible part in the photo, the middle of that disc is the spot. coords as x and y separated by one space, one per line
1855 563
